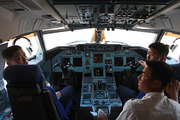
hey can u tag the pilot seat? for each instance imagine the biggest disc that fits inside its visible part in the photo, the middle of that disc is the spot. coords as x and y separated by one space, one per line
27 96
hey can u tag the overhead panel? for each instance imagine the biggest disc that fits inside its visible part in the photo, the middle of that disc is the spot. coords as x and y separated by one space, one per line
112 1
107 13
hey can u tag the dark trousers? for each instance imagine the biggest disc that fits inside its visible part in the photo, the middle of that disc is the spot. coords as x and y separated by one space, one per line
130 89
66 94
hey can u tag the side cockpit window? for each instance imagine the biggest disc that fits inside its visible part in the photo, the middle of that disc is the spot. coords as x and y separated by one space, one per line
173 40
31 45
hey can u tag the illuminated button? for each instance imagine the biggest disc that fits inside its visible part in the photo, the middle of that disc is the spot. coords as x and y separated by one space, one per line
68 53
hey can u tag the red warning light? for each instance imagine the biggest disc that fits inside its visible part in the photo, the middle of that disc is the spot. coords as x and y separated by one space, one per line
68 53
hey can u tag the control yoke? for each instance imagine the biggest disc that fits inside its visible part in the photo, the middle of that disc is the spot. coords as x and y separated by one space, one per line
133 67
58 64
64 67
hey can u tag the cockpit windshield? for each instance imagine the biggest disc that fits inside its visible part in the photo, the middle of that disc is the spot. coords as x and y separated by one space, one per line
67 38
83 36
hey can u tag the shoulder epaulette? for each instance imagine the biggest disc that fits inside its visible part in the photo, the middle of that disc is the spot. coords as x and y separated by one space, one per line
134 98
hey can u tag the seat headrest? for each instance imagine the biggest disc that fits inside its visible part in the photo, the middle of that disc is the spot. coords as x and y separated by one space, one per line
23 74
176 67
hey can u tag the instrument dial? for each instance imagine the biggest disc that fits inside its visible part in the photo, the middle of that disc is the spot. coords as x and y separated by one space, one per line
74 52
79 52
87 67
87 62
87 55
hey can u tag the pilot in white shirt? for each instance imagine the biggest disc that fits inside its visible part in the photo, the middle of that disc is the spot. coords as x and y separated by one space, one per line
153 106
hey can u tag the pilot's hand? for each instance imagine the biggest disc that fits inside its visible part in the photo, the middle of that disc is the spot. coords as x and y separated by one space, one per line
58 94
143 63
172 89
47 83
102 117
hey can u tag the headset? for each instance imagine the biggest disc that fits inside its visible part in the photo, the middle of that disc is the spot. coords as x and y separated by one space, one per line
173 46
29 49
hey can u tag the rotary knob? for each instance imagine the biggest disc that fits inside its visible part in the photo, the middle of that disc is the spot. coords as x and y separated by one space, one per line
103 102
87 68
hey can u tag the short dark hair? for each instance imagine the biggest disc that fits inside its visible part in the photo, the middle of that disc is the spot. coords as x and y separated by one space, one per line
161 48
161 71
7 53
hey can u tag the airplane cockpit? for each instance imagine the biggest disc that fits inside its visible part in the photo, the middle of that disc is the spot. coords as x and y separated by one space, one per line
93 46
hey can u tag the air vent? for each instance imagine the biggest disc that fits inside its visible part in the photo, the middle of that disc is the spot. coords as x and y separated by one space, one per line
30 4
12 6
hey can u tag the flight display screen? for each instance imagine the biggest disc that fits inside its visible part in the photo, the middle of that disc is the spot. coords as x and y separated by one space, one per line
98 71
98 58
77 62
